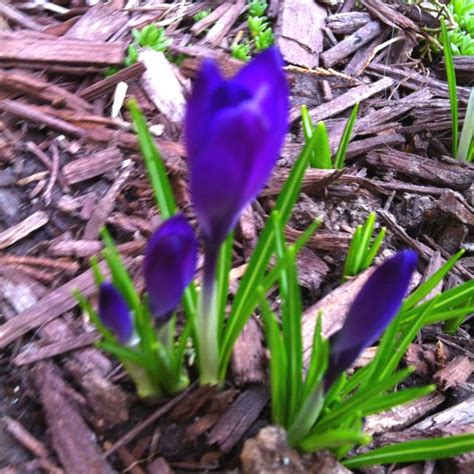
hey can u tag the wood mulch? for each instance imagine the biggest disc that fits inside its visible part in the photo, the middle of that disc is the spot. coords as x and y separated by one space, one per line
69 164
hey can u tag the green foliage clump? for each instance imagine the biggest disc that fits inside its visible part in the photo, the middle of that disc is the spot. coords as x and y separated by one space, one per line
462 36
201 15
149 36
261 33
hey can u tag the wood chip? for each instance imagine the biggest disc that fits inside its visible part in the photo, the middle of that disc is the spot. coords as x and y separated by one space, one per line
352 43
348 22
161 83
73 441
454 373
344 101
299 31
24 228
238 418
17 47
94 165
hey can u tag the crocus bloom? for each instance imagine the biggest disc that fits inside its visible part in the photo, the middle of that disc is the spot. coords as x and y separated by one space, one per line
234 131
371 312
169 265
114 313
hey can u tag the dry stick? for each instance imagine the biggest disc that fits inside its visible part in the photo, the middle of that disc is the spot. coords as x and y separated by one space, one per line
149 421
54 174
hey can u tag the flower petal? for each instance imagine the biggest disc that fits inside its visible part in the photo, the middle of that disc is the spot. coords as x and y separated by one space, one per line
169 265
371 312
199 106
114 313
221 174
246 122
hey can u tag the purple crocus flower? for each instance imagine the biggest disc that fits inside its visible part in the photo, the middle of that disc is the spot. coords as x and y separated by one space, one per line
234 131
371 312
114 313
169 265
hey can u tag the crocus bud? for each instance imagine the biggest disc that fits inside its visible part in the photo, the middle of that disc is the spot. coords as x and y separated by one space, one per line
169 265
234 131
114 313
375 306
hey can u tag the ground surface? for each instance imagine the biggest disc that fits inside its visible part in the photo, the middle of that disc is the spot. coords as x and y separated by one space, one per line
67 168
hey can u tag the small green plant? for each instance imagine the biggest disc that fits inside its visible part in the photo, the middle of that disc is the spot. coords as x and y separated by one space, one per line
461 36
363 248
462 147
240 51
149 36
201 15
257 7
261 34
321 152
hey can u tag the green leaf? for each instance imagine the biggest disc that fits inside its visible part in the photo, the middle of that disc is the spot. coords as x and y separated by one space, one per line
260 259
340 157
331 439
278 362
321 153
414 451
224 265
467 132
451 77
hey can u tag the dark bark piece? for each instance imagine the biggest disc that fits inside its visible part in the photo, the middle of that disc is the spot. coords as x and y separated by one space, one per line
48 308
344 101
15 15
99 23
104 208
413 80
210 19
404 415
352 43
311 269
385 13
107 84
223 25
408 164
23 436
299 31
361 147
248 355
24 228
347 23
331 241
238 418
362 57
44 90
159 466
91 166
435 263
457 371
35 353
456 206
17 47
72 440
334 307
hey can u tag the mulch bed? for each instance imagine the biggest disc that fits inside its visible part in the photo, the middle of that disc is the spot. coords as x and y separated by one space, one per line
69 164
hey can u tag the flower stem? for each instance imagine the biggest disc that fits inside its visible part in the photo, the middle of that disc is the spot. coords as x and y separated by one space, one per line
207 321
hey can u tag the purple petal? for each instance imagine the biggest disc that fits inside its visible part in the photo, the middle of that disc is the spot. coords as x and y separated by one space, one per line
198 112
232 152
371 312
114 313
169 265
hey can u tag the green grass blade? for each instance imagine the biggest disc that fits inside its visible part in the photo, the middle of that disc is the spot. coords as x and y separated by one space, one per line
451 77
354 248
278 363
321 152
390 400
363 247
467 132
339 159
331 439
224 265
414 451
424 289
260 259
372 252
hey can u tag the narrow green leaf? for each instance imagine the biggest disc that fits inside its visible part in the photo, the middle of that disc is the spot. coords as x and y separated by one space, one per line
332 439
414 451
372 252
467 132
321 152
340 157
224 265
451 77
